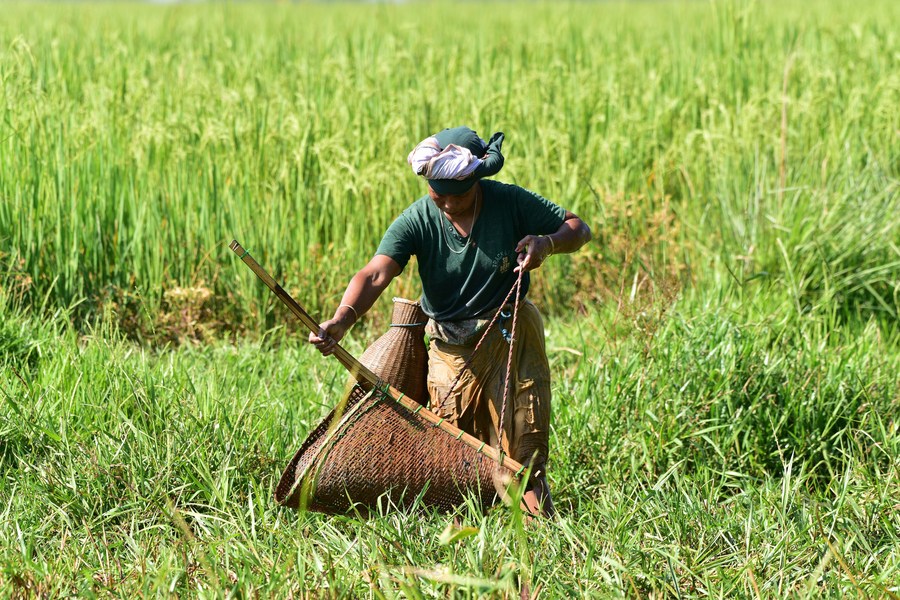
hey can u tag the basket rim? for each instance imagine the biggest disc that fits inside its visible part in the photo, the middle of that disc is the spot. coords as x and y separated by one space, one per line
406 301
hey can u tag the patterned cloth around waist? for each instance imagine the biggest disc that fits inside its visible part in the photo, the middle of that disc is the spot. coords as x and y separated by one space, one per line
465 332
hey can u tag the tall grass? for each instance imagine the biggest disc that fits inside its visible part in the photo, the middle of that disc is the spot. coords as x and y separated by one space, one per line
724 456
136 142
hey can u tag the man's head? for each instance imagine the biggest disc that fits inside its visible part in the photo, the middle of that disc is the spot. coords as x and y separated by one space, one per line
454 159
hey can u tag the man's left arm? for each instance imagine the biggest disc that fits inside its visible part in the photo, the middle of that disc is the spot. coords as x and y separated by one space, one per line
571 235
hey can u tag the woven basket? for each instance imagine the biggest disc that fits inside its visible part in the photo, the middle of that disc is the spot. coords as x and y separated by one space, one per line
400 357
371 448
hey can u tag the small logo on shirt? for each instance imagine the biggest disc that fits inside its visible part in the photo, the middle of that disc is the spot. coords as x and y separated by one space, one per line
504 264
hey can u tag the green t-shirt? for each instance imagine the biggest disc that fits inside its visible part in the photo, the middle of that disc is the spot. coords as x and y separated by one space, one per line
461 281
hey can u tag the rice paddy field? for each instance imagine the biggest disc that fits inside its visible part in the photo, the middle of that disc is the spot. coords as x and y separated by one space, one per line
725 352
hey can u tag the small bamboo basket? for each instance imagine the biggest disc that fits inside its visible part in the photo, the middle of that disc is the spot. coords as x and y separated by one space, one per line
400 357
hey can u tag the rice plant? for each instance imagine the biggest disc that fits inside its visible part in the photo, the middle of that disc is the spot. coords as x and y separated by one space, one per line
726 404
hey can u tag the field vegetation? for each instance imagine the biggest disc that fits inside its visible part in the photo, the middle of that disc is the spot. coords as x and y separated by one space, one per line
726 351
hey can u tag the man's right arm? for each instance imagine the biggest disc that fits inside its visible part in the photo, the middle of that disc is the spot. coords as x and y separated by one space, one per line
363 290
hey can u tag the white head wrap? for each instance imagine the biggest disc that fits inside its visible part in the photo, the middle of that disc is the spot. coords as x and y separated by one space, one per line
431 161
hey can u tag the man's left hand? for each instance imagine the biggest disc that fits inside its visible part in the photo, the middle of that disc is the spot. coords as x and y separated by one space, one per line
533 251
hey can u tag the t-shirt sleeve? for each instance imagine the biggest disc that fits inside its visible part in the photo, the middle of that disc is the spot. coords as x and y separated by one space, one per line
399 240
538 215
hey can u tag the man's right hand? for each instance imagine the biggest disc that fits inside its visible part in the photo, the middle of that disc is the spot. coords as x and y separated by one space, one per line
330 333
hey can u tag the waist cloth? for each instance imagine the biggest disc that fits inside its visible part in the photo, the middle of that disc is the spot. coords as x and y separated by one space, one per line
475 405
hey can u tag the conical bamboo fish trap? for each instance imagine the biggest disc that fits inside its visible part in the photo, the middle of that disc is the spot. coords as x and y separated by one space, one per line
381 446
375 450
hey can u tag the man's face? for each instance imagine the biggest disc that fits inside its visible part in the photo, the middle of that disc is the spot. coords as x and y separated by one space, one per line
454 205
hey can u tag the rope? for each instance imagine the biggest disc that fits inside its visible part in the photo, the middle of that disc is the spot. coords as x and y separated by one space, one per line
509 358
515 289
487 330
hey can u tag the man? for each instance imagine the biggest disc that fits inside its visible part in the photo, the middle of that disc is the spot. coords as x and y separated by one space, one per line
471 237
